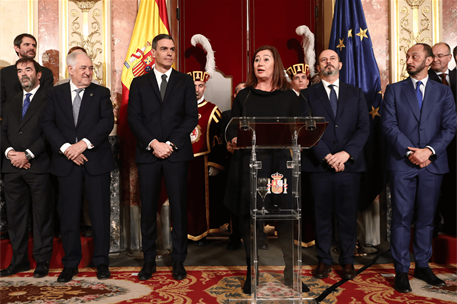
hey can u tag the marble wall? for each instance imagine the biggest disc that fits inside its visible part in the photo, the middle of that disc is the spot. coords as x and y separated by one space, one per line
449 32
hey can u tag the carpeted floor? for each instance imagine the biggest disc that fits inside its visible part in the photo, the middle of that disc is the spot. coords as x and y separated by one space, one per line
218 284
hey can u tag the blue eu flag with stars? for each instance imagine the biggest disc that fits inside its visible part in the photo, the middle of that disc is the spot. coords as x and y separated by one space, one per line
351 39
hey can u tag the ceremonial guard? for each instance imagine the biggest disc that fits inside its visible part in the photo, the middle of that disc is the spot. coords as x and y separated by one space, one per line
203 213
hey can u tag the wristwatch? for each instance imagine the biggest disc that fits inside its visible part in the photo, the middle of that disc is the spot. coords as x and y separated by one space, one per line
28 156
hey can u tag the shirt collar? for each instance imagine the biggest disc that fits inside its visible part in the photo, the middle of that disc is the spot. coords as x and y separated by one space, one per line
201 100
424 81
33 92
159 75
73 87
447 72
336 83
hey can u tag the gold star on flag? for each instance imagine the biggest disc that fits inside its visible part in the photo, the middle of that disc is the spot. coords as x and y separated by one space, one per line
341 45
374 112
350 33
362 34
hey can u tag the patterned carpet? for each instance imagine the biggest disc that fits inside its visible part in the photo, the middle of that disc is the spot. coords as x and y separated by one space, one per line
205 285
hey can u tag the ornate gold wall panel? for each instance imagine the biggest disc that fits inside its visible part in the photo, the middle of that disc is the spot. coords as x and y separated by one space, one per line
87 23
411 22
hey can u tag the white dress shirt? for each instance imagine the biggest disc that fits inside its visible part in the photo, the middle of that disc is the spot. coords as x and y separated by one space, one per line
336 88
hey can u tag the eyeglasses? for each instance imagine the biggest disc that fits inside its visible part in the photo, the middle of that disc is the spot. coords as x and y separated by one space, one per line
442 55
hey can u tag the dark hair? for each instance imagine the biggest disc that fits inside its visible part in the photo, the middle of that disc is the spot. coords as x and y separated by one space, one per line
26 60
428 50
279 78
455 52
18 40
76 48
160 37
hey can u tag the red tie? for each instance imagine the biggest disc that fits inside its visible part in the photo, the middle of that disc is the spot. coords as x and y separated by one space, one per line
443 78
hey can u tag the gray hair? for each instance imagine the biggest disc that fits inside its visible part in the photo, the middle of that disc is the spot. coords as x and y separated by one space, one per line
71 58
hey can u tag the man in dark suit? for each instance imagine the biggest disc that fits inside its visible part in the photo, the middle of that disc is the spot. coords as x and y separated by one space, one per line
25 46
26 172
334 165
446 209
78 119
162 112
419 120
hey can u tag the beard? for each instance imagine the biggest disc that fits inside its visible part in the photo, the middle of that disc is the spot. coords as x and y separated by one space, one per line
27 86
419 69
326 72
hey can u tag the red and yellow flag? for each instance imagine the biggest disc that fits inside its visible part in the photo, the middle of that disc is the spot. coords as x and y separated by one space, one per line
152 20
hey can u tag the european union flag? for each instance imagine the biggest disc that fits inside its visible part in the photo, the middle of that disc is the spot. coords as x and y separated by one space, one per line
351 39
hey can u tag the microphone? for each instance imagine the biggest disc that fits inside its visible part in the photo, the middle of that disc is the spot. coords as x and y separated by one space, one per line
310 124
244 121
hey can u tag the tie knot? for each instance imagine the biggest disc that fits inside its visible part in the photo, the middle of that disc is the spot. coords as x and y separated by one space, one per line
418 84
331 86
79 91
443 75
28 95
164 77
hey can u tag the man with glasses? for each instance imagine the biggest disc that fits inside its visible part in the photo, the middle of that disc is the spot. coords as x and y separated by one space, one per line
447 204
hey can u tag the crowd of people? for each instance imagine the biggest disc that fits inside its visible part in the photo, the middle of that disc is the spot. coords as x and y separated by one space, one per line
63 131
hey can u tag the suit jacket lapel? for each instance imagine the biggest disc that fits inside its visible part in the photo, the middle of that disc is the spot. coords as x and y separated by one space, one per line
323 97
85 102
170 85
155 85
410 96
37 100
17 107
341 101
66 101
429 102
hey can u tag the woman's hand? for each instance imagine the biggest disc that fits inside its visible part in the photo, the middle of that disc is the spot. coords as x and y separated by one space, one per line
231 146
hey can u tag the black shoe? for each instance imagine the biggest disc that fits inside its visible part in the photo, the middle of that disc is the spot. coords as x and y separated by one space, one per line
103 272
322 271
179 272
263 245
349 272
427 275
12 270
41 270
402 282
289 279
233 244
146 272
67 274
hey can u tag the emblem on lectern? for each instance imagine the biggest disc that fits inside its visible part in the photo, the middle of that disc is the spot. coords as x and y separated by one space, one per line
277 185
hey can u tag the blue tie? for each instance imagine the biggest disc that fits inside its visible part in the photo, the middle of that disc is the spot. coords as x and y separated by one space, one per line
333 99
26 104
419 93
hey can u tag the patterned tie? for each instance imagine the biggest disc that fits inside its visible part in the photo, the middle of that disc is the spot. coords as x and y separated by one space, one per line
77 105
163 86
443 78
333 99
26 104
419 93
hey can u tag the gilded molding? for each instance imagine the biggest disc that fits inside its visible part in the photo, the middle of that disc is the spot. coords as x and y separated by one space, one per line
411 21
87 23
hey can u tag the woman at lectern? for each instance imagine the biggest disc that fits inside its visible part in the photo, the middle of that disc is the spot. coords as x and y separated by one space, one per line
268 94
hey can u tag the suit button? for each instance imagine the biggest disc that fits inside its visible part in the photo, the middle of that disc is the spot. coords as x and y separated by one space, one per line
336 126
335 142
20 133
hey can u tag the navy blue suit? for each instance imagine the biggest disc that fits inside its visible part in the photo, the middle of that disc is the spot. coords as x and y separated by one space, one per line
413 188
348 131
95 122
172 119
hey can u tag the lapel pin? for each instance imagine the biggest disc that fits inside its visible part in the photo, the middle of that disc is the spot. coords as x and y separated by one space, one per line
91 94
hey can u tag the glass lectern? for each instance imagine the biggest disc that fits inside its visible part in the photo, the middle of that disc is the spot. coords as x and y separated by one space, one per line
273 146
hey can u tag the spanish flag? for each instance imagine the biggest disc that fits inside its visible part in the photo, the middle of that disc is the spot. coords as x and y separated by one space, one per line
152 20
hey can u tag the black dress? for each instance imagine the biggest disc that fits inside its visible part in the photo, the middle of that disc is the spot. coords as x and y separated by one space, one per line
257 104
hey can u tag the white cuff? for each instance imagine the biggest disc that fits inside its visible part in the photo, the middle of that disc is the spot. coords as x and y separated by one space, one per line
88 143
64 147
149 145
7 151
431 149
30 152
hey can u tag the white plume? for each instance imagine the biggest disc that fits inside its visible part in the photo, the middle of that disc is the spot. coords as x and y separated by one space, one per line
210 61
308 46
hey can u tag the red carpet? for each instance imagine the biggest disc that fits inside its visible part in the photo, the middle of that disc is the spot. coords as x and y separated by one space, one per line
216 285
56 261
